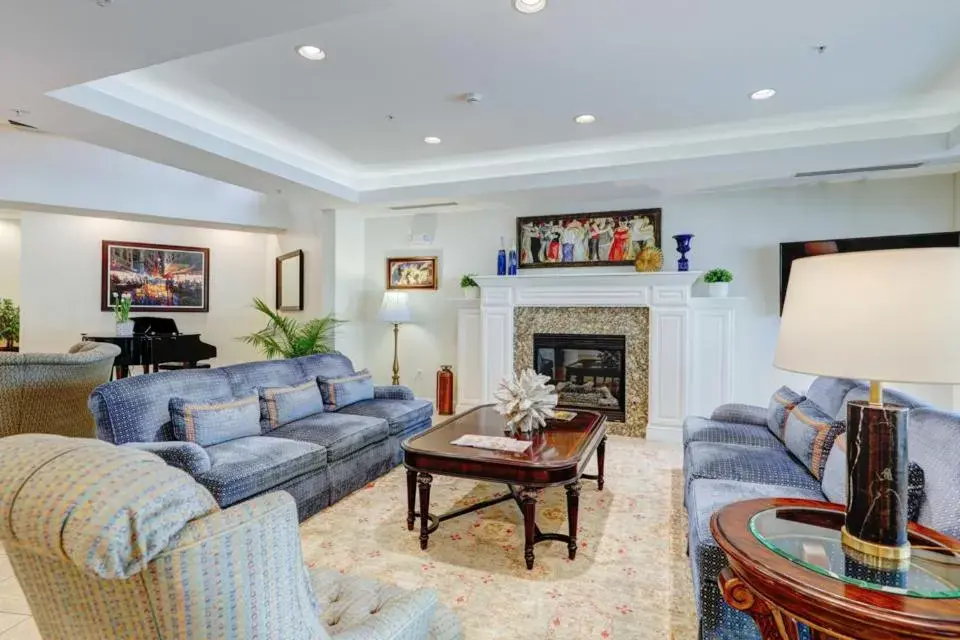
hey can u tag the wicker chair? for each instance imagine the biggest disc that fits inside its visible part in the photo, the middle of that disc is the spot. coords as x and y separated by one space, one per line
47 392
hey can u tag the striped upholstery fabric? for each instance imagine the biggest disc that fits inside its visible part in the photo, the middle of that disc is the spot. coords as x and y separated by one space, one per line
810 434
217 420
343 391
110 543
781 404
282 405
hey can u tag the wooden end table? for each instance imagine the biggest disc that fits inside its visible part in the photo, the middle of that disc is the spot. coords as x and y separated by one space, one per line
788 568
557 456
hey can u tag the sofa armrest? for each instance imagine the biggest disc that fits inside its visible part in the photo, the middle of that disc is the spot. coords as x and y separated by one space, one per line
399 618
740 413
393 392
188 456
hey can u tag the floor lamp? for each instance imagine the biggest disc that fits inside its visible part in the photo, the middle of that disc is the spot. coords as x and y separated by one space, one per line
882 316
395 309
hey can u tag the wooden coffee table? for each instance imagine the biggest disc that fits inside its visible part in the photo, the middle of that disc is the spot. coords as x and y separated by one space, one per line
558 456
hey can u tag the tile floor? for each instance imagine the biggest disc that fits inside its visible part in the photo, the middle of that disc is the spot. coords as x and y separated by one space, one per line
16 623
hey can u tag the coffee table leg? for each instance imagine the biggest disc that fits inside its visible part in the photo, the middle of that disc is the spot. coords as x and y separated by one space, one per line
424 480
573 514
411 497
601 454
528 500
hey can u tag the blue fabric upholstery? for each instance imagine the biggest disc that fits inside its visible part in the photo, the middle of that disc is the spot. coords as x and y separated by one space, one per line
697 429
340 434
890 396
246 467
746 464
781 404
933 442
829 394
329 365
400 415
393 392
269 373
809 435
343 391
282 405
740 413
215 420
361 468
188 456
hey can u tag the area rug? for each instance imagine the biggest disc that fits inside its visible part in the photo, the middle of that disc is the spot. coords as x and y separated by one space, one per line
630 581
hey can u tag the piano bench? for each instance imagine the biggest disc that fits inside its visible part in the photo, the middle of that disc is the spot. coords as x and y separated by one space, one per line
180 366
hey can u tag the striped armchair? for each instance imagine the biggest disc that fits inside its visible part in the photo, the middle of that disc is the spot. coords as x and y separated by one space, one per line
112 543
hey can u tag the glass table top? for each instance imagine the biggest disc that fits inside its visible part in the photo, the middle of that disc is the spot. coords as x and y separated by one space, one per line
810 537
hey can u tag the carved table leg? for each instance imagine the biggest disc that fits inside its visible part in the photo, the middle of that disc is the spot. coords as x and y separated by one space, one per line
739 596
601 454
424 480
573 514
528 500
411 497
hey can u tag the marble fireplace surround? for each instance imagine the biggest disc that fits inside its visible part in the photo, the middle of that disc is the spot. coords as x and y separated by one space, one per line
691 339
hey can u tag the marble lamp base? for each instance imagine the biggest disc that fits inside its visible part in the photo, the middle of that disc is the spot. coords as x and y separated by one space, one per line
876 523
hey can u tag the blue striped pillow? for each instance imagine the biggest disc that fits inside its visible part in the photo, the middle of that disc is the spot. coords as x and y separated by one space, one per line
211 422
341 392
282 405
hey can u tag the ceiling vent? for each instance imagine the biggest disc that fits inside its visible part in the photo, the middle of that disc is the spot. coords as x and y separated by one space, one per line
415 207
843 172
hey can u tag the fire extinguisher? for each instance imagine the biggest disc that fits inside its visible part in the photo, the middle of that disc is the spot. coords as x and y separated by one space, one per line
445 390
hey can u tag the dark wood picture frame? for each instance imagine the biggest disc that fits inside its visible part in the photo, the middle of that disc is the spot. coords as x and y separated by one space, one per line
280 260
431 286
105 284
585 249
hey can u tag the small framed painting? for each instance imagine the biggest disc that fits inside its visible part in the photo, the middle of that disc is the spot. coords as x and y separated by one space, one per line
412 273
587 239
159 277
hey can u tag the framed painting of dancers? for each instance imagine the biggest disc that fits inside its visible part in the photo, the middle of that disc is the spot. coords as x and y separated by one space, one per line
611 238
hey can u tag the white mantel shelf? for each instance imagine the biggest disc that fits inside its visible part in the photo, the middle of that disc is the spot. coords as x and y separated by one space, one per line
614 279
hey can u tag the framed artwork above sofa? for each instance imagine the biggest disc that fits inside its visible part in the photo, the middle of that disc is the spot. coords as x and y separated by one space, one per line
159 277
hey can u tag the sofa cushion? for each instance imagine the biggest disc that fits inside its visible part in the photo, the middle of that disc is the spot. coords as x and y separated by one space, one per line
267 373
740 413
399 414
933 442
697 429
829 394
246 467
282 405
343 391
809 434
746 464
781 404
328 365
340 434
216 420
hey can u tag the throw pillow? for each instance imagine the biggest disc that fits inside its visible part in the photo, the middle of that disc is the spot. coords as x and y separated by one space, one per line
834 483
210 422
809 435
341 392
782 402
282 405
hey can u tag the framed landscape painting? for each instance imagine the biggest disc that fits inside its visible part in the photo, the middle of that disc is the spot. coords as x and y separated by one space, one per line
587 239
158 277
412 273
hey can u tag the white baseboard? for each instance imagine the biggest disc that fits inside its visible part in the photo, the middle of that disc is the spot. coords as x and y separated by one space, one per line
657 433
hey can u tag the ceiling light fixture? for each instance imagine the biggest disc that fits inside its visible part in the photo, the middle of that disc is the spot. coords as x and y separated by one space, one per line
432 140
585 119
529 6
311 52
763 94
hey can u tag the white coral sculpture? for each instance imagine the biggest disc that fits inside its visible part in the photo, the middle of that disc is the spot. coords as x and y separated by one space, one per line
526 401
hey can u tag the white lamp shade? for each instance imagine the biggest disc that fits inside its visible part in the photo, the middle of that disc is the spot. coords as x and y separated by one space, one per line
888 316
395 307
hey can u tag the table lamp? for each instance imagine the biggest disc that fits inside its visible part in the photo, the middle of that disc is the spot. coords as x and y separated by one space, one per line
395 308
882 316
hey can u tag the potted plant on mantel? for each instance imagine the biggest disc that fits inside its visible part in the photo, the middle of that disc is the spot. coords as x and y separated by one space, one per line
718 282
9 325
471 290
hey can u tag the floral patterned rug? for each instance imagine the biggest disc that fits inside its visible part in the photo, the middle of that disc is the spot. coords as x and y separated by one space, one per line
630 581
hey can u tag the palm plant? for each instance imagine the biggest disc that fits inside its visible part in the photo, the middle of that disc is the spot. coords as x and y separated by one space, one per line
287 338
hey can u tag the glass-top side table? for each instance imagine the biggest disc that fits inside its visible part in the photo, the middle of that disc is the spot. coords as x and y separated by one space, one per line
810 537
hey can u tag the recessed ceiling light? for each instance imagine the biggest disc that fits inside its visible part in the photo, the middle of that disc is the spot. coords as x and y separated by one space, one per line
585 119
311 52
763 94
432 140
529 6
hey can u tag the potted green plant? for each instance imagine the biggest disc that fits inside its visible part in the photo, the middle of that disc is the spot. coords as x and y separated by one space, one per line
9 323
718 282
285 337
471 289
121 314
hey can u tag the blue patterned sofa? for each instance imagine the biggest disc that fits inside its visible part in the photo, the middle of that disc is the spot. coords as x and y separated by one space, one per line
318 459
733 456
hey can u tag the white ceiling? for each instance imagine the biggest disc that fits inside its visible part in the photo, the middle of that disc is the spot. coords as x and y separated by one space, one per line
216 88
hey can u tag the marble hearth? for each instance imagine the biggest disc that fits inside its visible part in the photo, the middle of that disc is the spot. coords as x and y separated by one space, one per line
689 341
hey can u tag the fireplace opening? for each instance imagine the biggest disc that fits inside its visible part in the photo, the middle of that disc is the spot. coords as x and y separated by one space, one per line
588 370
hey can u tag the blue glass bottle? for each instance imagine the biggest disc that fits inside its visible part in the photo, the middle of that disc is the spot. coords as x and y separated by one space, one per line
512 267
501 260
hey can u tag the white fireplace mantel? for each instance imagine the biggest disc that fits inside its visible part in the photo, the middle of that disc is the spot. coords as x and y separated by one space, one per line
691 338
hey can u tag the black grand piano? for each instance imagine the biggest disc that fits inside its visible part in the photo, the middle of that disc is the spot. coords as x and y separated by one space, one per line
157 344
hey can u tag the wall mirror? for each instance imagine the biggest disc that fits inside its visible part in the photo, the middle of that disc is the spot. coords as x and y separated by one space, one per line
290 281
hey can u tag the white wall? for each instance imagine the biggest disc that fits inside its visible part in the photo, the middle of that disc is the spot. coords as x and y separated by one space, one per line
10 259
60 280
736 230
